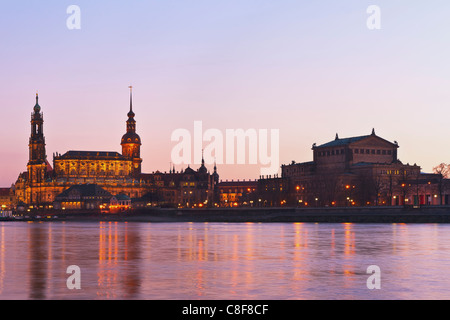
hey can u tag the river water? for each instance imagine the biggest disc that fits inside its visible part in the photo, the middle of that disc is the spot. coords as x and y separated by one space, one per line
239 261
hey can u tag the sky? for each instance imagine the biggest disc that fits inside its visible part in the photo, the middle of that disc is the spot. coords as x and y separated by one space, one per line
309 69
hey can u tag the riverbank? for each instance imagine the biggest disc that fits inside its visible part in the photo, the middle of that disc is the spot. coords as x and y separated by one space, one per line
432 214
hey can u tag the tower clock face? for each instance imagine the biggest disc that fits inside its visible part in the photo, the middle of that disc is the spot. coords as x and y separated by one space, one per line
136 165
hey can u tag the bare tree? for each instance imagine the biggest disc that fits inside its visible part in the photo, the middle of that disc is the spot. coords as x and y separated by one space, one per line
328 186
443 172
376 184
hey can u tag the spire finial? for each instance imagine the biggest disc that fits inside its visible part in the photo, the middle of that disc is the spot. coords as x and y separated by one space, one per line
37 107
131 98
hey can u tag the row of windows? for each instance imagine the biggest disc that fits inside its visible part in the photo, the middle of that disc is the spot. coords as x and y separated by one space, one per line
238 190
398 172
356 151
331 152
92 173
192 184
91 164
372 151
294 170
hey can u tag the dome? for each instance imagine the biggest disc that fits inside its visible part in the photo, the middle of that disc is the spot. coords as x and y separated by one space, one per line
37 108
202 169
131 137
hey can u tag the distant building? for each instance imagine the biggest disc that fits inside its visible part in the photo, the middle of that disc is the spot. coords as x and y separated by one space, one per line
236 193
356 171
119 203
274 191
7 198
84 196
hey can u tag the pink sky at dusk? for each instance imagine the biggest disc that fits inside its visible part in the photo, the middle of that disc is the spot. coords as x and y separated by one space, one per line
309 70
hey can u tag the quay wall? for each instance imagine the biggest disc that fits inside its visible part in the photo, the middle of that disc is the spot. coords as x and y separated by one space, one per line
432 214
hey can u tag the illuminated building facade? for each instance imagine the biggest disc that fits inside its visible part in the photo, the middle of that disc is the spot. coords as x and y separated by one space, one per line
117 173
7 198
236 193
356 171
83 196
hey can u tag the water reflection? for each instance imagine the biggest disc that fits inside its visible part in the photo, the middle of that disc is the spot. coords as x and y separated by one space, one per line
2 257
37 259
223 261
118 261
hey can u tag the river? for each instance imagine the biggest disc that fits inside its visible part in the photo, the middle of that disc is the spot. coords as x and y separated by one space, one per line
238 261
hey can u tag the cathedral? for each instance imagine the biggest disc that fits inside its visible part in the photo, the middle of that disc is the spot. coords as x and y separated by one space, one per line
117 173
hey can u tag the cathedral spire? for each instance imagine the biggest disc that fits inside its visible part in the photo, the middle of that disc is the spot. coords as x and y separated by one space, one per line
202 168
215 174
131 113
131 98
131 141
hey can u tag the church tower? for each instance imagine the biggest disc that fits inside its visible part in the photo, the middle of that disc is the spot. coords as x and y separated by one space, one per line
37 140
37 157
131 142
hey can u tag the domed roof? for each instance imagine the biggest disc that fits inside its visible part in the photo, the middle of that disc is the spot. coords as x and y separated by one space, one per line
37 108
203 169
131 137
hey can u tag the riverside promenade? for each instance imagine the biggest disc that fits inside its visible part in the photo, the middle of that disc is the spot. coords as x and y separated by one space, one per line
429 214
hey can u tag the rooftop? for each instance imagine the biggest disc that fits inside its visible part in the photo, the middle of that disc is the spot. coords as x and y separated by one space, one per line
346 141
85 190
91 155
342 142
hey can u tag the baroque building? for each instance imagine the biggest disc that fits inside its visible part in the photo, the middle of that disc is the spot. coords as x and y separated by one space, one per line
116 173
356 171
